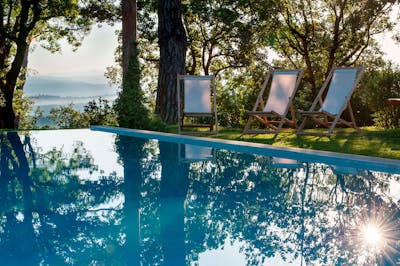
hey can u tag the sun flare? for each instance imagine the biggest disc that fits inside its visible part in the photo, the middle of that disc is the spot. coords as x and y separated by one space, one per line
372 235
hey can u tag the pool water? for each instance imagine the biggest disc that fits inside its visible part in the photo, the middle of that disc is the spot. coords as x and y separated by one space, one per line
82 197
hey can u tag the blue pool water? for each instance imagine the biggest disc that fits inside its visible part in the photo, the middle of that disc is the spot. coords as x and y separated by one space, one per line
83 197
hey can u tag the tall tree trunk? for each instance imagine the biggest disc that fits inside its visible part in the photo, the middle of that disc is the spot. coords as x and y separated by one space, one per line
130 104
24 68
7 86
129 32
172 43
7 115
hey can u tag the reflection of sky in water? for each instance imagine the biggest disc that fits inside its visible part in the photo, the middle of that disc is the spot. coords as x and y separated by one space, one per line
101 146
230 255
83 197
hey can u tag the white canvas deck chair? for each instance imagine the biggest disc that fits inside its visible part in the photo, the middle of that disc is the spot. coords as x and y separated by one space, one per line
338 86
189 153
197 98
273 114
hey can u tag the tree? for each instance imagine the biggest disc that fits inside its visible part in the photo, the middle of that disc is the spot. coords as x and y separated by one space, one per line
231 39
172 43
48 21
321 34
68 117
96 112
131 103
129 32
223 35
100 112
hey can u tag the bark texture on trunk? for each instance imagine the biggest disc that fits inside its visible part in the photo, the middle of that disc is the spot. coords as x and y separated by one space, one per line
129 32
8 81
172 43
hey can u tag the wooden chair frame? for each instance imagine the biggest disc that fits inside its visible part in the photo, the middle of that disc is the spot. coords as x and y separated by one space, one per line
181 107
325 118
267 118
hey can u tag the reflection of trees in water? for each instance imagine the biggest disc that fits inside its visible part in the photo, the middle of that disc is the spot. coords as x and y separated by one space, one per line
306 212
155 206
309 213
171 211
50 214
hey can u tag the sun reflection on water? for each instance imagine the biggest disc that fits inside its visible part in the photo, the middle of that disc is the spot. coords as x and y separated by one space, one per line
372 235
377 241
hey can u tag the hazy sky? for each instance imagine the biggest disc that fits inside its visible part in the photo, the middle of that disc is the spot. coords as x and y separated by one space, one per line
97 52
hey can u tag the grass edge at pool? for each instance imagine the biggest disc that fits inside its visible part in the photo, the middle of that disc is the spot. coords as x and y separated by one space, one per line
327 157
371 141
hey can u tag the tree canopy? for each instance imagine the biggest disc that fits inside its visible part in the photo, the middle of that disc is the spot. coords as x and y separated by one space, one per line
234 40
23 21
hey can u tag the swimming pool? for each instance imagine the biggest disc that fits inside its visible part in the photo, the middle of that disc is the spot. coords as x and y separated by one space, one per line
90 197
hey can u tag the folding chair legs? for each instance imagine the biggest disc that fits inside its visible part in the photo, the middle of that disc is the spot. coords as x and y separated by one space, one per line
294 120
247 127
352 118
302 125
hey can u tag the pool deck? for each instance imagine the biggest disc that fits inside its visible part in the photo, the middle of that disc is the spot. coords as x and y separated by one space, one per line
303 155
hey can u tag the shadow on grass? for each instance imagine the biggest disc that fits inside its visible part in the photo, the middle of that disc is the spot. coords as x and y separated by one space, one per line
369 142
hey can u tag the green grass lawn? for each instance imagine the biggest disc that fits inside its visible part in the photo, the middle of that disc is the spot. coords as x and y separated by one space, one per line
370 141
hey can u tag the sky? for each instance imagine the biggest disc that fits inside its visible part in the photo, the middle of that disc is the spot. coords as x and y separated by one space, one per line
97 53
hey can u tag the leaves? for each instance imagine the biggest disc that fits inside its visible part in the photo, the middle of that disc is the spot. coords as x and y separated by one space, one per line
46 22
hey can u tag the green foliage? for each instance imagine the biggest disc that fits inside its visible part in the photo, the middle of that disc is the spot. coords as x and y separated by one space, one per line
223 35
23 108
130 104
232 39
387 117
2 100
96 112
370 99
45 22
237 95
68 117
26 117
100 112
321 34
33 120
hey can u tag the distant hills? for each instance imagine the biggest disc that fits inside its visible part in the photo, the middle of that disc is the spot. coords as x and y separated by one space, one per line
55 90
45 99
91 85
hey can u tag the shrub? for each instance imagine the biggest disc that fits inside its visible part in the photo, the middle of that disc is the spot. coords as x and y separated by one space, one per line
370 99
130 104
100 112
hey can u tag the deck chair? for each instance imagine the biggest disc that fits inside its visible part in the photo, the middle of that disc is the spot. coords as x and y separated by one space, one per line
197 98
338 86
189 153
273 115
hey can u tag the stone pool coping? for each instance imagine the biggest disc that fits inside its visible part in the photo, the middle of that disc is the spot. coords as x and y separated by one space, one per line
300 154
